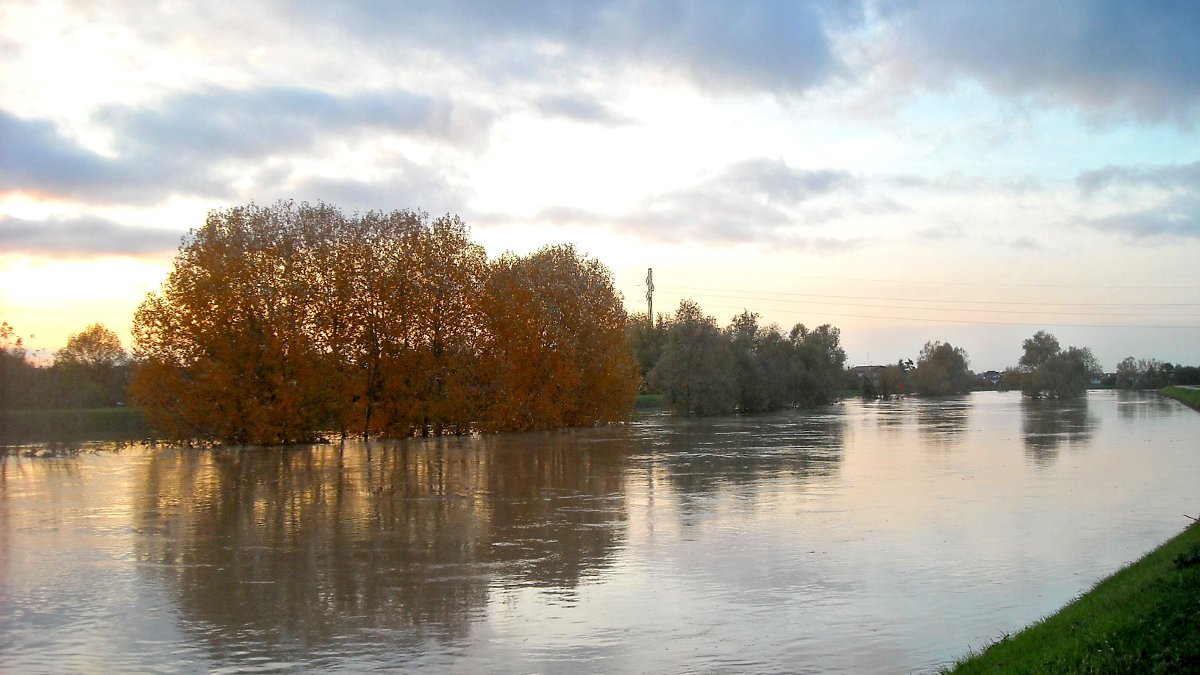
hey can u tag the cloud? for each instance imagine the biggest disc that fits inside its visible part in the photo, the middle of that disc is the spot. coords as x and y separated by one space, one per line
753 201
1178 217
202 143
226 123
752 45
777 182
407 186
1173 213
1179 176
761 202
940 234
40 160
581 108
1028 244
83 236
1108 56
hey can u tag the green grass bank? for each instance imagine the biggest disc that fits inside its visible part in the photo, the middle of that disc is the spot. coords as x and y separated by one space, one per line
1143 619
1189 397
650 402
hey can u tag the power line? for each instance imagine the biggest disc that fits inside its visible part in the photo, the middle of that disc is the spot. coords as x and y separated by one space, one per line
945 309
972 302
948 283
983 323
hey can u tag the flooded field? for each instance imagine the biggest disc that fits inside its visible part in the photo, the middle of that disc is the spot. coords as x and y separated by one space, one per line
864 537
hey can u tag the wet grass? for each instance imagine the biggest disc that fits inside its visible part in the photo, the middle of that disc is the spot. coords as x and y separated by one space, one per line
24 427
1143 619
650 402
1189 397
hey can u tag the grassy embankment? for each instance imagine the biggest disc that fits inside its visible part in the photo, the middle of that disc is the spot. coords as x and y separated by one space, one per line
1144 618
1188 397
21 427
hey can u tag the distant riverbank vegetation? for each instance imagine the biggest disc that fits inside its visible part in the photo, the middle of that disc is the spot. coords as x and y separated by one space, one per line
282 322
1044 370
702 369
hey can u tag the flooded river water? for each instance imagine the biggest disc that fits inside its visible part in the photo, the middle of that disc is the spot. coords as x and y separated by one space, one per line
864 537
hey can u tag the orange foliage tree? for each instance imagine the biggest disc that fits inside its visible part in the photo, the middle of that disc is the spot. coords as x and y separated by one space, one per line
279 323
555 349
226 349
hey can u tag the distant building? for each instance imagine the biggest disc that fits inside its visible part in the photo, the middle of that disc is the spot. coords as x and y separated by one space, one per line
991 377
869 372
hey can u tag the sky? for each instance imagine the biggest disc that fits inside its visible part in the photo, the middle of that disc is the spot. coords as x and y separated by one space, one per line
906 171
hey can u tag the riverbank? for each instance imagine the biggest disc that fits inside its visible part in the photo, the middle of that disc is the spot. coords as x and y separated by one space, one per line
1185 395
1144 618
21 427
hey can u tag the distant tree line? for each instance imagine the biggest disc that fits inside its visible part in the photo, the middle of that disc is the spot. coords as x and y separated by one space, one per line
91 371
281 322
1044 370
941 370
1153 374
702 369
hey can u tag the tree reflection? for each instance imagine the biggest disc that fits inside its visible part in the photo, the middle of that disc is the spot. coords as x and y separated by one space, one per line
1143 404
1048 424
279 552
943 420
704 455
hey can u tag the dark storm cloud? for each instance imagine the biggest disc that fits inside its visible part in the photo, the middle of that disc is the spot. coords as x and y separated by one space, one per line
762 44
83 236
1135 58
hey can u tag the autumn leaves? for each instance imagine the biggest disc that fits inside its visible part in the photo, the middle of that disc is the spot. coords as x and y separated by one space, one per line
280 323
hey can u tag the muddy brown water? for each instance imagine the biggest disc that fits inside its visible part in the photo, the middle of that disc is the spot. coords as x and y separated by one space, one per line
863 537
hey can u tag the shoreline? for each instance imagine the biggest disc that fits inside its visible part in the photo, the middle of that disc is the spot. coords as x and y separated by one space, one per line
1143 617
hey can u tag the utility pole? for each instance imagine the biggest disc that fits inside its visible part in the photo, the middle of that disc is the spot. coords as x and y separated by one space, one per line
650 296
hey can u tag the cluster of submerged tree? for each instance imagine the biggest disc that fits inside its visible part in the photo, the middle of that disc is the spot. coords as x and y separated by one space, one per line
1045 370
283 322
701 369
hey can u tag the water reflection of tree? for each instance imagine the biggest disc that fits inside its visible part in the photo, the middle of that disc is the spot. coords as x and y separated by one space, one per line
1143 404
278 552
943 420
1048 424
890 414
704 455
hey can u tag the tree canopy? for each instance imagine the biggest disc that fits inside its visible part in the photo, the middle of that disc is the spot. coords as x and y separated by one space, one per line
942 370
281 322
706 370
1048 371
94 347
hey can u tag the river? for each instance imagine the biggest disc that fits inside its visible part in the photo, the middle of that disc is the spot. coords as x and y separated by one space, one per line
862 537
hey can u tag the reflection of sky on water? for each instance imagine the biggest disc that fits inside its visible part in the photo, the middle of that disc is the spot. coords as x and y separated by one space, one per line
865 536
